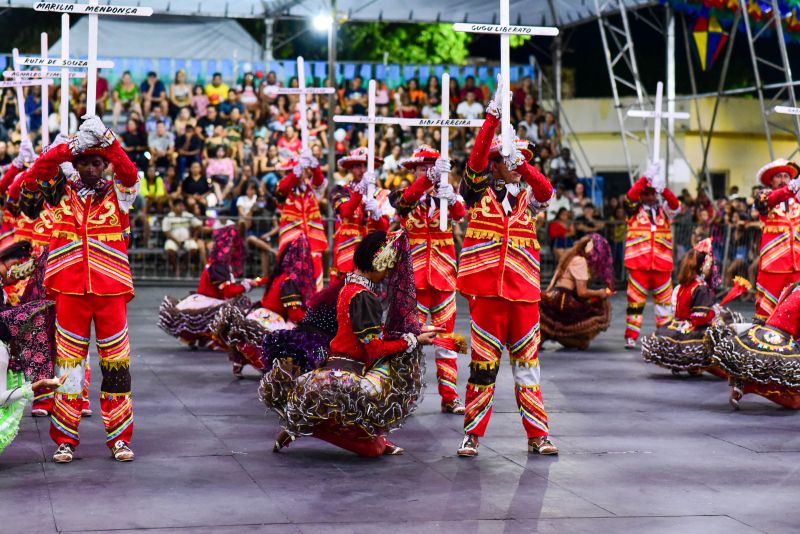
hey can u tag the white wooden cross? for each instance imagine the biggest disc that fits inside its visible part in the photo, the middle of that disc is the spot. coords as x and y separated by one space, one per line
657 114
301 90
45 95
445 123
504 30
23 120
93 10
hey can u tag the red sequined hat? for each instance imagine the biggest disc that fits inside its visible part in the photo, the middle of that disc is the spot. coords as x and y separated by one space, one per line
424 154
359 155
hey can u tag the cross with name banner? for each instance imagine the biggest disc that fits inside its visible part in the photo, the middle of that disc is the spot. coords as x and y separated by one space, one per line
504 30
301 90
92 9
445 123
657 114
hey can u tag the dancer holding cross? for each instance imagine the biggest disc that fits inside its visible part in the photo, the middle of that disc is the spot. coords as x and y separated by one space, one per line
499 275
650 207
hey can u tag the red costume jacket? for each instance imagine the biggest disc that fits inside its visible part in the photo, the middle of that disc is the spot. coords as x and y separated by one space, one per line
218 282
283 298
787 313
500 257
694 303
360 333
300 212
780 237
352 224
433 254
9 217
648 243
88 243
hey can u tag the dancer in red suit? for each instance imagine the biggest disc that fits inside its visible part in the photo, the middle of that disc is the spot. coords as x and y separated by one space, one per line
25 158
356 215
298 195
648 250
499 275
434 258
779 265
90 279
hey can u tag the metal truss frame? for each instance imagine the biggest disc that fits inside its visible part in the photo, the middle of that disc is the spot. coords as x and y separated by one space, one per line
784 92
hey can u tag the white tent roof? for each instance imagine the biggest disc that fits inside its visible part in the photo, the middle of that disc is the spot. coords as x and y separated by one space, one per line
197 38
528 12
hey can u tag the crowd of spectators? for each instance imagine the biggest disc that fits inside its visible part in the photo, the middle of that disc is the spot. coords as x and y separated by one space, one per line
211 151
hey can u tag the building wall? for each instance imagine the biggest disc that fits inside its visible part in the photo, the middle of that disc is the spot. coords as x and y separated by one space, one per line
738 148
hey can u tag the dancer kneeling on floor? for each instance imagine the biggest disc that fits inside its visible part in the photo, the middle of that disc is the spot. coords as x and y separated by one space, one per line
569 311
372 379
190 319
763 359
287 293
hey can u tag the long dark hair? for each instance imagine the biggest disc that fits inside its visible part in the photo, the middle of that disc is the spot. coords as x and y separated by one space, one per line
599 259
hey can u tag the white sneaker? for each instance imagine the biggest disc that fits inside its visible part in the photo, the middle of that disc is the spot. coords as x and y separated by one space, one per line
39 412
630 343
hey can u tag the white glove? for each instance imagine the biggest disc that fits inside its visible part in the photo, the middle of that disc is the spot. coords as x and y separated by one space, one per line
514 160
361 186
60 139
371 206
495 105
653 173
81 141
441 166
68 170
411 339
26 154
308 160
794 186
93 125
247 284
446 192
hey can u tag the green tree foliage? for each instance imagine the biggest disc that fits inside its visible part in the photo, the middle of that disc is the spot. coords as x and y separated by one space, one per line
405 43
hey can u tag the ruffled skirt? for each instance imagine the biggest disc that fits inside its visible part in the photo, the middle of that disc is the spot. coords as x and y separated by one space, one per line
190 319
242 332
679 346
340 395
11 414
570 320
32 329
762 359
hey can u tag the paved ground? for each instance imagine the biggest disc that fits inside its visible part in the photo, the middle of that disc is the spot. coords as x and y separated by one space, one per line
641 451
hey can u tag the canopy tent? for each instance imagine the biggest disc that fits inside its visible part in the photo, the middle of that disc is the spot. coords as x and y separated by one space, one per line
165 37
527 12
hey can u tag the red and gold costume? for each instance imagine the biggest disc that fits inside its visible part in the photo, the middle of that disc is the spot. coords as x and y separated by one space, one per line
779 264
352 220
300 215
433 256
9 208
648 256
499 275
89 277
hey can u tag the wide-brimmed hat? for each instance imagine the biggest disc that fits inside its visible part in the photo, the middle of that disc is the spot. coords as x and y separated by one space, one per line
359 155
768 171
424 154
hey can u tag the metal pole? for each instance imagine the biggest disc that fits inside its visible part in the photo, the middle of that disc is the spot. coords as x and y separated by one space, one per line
693 84
269 24
331 108
786 65
558 51
723 77
670 86
754 59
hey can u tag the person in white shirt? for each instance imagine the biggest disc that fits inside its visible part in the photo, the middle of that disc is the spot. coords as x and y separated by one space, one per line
470 108
178 227
561 200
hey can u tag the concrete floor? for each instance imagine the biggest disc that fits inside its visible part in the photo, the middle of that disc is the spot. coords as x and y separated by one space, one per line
641 451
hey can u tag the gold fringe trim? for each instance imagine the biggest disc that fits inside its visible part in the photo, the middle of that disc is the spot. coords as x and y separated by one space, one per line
484 366
459 339
434 242
648 233
525 363
113 365
68 363
496 236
